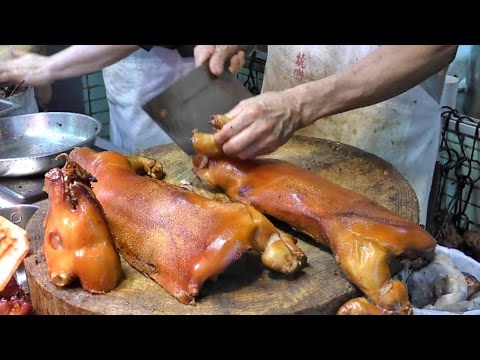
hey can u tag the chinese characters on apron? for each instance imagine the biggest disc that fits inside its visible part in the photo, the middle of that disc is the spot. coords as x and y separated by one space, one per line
404 130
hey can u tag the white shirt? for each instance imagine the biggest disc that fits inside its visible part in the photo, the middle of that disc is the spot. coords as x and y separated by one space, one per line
133 81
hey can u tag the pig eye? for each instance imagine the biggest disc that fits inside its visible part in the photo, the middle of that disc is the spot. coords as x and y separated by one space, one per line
55 240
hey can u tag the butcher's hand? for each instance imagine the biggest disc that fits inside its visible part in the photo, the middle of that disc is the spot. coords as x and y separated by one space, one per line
24 66
217 56
260 125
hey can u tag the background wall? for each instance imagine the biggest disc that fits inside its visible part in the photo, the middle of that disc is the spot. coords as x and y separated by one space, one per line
66 94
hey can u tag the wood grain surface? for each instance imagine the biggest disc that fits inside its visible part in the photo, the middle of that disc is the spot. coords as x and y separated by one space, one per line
246 287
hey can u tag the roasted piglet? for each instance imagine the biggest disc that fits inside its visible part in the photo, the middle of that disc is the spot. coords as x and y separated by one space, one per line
78 243
362 235
175 236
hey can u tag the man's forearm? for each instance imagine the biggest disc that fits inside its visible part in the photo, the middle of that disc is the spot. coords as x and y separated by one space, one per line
79 60
385 73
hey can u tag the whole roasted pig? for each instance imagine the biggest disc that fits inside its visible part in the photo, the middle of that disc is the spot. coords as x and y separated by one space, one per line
77 242
175 236
363 235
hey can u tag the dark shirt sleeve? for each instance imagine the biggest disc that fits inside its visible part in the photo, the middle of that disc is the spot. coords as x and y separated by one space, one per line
183 50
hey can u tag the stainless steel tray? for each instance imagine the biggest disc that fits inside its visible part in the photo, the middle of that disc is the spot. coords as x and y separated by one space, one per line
30 143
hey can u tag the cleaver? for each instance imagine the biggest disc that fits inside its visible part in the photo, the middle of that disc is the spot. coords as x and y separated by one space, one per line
191 101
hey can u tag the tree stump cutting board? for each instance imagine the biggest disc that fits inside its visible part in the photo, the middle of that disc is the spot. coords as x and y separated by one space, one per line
246 287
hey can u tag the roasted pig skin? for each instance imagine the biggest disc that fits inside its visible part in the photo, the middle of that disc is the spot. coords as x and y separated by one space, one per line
77 243
175 236
362 234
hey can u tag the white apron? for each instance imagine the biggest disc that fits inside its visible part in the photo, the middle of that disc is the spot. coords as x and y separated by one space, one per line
129 84
404 130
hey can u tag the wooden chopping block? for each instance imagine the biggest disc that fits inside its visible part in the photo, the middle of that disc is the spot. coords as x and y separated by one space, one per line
246 287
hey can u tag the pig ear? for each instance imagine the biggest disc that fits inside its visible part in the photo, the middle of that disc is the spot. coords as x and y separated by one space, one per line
16 53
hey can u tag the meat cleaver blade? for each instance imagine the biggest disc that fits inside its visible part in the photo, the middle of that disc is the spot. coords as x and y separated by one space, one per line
191 101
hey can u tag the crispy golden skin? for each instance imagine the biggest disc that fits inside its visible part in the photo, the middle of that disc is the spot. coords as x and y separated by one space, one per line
176 237
78 243
362 235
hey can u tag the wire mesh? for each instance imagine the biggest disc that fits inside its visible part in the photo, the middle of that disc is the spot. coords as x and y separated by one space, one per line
456 212
252 73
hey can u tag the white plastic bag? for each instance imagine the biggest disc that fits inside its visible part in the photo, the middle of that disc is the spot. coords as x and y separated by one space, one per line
464 264
26 101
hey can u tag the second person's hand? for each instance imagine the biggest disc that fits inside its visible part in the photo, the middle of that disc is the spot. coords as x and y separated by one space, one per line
217 56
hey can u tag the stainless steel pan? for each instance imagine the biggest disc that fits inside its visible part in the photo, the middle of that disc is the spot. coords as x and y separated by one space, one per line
30 143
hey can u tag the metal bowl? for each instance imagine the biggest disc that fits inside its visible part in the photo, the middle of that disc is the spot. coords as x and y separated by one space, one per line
29 144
